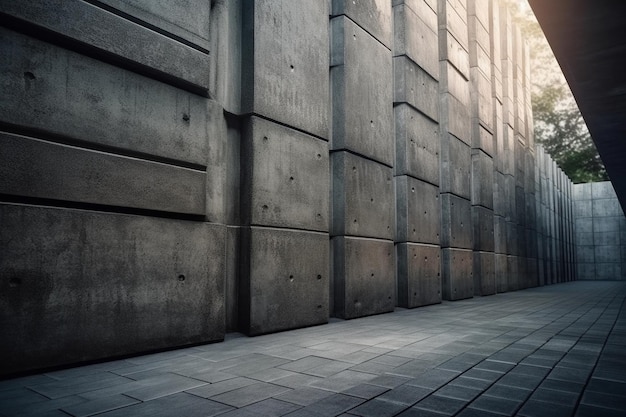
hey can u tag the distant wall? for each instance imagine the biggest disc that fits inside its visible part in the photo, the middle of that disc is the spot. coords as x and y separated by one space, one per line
171 171
600 232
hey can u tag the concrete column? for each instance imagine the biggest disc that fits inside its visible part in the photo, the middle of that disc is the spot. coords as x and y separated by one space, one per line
362 158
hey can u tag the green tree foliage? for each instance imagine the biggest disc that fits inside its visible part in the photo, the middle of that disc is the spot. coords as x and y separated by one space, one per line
559 126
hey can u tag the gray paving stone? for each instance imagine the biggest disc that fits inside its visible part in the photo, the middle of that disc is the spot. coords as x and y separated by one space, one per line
554 396
496 366
42 408
78 385
532 408
434 379
598 399
495 405
520 381
378 408
483 374
343 380
305 396
98 406
458 392
569 374
365 391
442 405
333 405
162 386
512 393
271 408
180 404
406 394
211 390
418 412
249 394
389 381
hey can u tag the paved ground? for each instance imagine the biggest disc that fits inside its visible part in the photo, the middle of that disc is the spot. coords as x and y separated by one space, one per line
551 351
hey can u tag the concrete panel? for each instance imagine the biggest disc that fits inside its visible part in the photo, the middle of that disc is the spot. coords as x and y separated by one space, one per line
499 235
418 275
80 286
374 16
283 79
582 191
585 225
484 273
479 45
107 33
456 222
501 273
453 17
602 190
586 271
289 292
458 278
609 271
414 86
532 245
361 92
479 9
482 179
418 7
363 272
483 226
607 207
499 194
512 238
600 224
520 203
482 101
418 211
453 82
604 239
285 177
530 211
35 168
585 253
417 145
512 269
452 51
455 118
483 139
415 35
171 17
231 281
80 98
508 156
494 30
362 197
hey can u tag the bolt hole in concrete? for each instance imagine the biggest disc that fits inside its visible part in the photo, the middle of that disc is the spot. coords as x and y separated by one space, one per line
319 277
15 282
185 117
264 207
412 189
181 277
291 68
290 178
265 139
290 278
29 75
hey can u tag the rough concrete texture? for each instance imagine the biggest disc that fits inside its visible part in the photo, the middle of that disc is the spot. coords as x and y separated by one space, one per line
416 36
290 291
363 276
418 275
417 145
456 222
456 162
374 16
413 85
362 90
418 211
39 169
457 275
106 33
484 140
453 18
285 73
67 94
484 273
454 118
483 225
482 179
501 273
455 83
82 285
482 100
499 235
285 177
512 270
362 197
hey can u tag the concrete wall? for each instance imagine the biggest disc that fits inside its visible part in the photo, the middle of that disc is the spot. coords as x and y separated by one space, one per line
262 165
600 232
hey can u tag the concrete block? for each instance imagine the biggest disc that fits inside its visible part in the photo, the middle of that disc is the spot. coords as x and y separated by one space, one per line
417 145
361 92
35 168
285 177
483 225
532 247
512 270
585 253
363 274
479 9
583 208
454 118
362 197
79 98
453 82
508 156
602 190
231 281
499 235
482 100
586 271
511 208
418 211
520 203
453 18
600 224
289 292
606 238
530 211
501 273
499 194
609 271
482 179
83 286
483 139
484 273
512 238
479 46
455 166
606 207
374 16
418 275
456 222
105 36
416 87
453 52
521 241
415 35
582 191
284 71
458 277
584 225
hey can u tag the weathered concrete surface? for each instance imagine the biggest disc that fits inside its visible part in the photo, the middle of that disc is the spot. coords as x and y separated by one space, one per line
40 169
416 35
482 179
483 224
362 197
418 274
484 273
285 63
455 163
285 177
456 222
417 145
362 90
416 87
418 211
82 285
363 275
455 118
107 34
501 273
63 93
374 16
458 279
289 292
